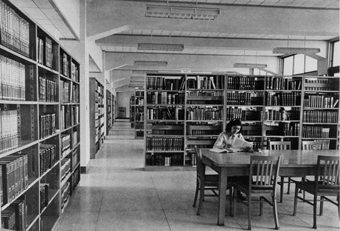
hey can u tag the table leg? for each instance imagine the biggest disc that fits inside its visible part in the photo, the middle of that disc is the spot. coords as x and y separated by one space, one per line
222 196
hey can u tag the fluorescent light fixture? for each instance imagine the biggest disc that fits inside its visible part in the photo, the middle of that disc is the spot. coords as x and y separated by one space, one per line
144 71
160 47
181 12
151 63
295 50
250 65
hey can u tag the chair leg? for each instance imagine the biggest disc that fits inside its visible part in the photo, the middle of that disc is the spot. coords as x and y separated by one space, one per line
295 200
288 188
261 205
338 207
321 205
231 204
196 193
276 219
249 212
281 189
201 198
234 202
315 205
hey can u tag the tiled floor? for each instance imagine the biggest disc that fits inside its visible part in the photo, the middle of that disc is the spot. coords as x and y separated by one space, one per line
117 194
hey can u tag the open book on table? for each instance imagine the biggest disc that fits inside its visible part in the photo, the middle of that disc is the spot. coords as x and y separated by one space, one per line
238 145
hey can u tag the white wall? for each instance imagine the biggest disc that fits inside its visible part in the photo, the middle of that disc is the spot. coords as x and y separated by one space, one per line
123 100
71 11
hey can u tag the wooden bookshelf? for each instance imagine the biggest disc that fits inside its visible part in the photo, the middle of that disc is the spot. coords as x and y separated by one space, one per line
39 115
137 105
97 129
197 107
108 111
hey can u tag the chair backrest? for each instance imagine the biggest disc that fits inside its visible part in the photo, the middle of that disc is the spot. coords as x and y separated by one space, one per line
311 145
280 145
264 171
327 173
199 166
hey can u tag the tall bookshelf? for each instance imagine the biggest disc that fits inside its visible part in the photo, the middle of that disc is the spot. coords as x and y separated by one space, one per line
39 119
138 113
108 111
184 111
97 119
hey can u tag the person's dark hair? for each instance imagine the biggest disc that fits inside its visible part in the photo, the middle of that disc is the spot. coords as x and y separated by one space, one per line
233 122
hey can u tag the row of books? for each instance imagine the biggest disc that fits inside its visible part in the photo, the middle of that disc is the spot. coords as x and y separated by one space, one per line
242 114
45 51
47 125
75 138
321 84
9 133
244 98
204 132
272 114
15 32
164 144
244 83
65 167
320 101
283 98
64 64
320 116
165 98
205 93
74 72
14 176
65 141
203 113
280 83
48 90
205 82
12 79
315 132
44 199
159 159
65 116
168 132
163 83
48 156
165 113
65 194
289 129
75 157
15 216
139 116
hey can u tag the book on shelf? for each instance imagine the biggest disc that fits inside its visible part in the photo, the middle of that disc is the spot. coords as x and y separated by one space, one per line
48 52
12 79
14 30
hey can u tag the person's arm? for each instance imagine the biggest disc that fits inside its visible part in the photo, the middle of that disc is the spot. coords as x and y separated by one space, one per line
219 143
247 149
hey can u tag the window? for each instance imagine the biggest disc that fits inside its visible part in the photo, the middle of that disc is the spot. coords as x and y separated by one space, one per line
288 65
335 54
299 64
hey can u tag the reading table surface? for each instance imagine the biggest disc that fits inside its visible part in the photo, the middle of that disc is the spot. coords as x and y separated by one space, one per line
294 163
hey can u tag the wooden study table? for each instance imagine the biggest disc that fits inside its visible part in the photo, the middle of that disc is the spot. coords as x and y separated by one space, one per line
294 163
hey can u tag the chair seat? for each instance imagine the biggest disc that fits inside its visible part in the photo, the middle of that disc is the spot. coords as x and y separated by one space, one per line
256 190
309 186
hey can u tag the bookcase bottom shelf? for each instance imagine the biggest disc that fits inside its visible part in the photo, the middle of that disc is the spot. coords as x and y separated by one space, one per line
169 168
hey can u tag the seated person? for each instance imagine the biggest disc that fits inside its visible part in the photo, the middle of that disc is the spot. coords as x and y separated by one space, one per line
226 139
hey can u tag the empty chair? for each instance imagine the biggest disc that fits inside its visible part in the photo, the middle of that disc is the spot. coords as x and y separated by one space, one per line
311 145
263 174
281 145
204 182
324 185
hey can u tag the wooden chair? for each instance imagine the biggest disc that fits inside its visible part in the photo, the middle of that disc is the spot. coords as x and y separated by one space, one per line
263 174
326 183
281 145
204 182
311 145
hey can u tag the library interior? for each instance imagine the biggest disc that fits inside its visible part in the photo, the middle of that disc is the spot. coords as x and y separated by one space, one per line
169 115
